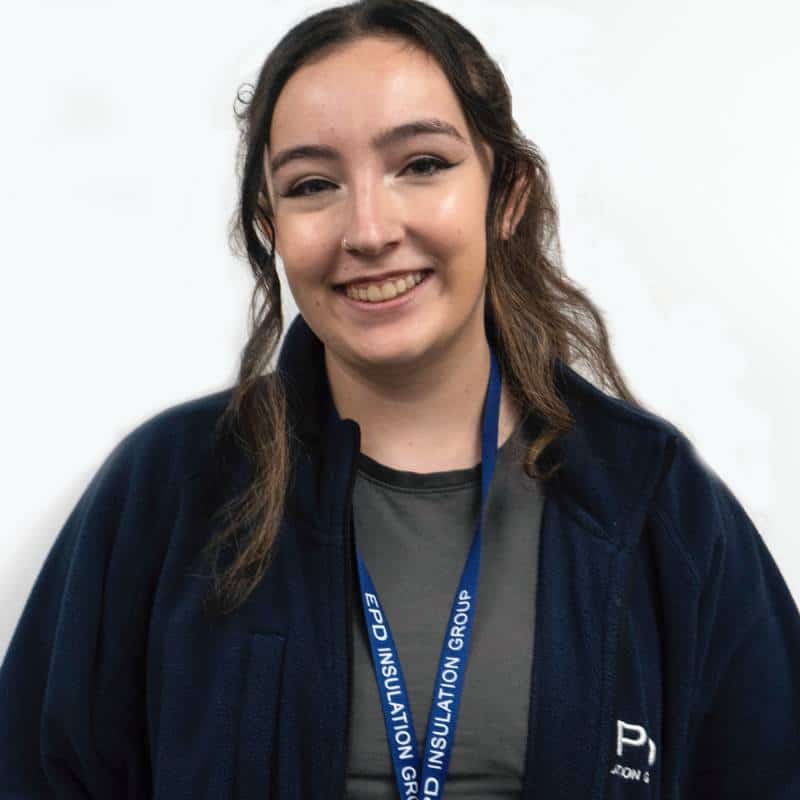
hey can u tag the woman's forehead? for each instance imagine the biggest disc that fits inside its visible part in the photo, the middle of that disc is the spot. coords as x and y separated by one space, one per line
362 87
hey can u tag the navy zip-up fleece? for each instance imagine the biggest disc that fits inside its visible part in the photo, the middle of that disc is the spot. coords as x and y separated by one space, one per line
666 655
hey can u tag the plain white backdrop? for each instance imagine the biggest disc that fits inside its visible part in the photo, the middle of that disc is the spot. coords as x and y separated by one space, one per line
671 132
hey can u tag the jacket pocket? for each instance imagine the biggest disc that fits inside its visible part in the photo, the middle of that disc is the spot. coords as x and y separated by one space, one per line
259 716
216 719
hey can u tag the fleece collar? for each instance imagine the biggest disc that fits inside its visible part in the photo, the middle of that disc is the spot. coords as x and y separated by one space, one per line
612 460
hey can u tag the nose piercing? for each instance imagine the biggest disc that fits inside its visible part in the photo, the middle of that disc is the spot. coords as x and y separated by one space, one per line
344 243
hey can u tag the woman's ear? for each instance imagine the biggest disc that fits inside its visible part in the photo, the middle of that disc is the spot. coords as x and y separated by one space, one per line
515 208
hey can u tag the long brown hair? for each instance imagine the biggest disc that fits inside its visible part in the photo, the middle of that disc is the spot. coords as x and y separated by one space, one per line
540 315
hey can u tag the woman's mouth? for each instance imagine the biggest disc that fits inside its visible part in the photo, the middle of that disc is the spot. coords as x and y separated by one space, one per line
376 292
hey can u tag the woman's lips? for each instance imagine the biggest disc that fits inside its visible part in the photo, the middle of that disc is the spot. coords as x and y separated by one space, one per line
380 291
387 293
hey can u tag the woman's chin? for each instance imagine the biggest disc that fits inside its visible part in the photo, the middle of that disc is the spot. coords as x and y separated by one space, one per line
389 359
377 355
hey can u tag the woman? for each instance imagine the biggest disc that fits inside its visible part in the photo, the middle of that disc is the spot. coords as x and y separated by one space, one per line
423 556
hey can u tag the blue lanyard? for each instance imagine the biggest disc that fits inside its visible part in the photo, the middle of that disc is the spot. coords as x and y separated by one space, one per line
426 780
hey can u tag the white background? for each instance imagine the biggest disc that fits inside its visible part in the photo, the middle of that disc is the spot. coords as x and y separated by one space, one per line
671 130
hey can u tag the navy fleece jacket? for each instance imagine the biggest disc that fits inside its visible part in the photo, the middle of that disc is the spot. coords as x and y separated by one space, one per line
666 655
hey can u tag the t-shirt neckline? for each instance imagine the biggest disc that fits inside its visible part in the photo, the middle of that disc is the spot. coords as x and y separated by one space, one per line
422 481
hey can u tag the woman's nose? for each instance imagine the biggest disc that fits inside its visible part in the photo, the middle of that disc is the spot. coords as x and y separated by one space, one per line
373 219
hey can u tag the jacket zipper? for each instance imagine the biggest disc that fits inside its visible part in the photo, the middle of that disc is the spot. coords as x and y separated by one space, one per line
349 558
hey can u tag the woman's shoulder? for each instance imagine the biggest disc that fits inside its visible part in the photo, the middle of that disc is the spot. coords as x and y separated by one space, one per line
179 439
595 408
150 467
188 425
635 450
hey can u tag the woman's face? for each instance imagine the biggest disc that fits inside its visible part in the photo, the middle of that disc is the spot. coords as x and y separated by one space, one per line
411 205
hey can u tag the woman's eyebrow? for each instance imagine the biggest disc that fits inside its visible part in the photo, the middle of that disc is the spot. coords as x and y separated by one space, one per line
380 141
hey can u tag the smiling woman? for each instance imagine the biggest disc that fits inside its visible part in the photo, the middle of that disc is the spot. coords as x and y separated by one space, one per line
377 219
422 551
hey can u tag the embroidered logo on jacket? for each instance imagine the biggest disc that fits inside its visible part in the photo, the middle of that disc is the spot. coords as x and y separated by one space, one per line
628 737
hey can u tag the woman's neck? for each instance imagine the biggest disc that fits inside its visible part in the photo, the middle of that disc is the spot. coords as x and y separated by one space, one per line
426 418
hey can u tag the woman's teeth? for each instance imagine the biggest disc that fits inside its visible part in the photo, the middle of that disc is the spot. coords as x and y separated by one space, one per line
385 290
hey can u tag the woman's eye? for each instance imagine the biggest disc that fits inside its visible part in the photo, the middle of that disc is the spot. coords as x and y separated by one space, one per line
298 190
302 189
437 163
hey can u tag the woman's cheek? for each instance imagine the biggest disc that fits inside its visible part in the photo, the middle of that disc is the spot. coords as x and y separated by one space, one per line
455 218
304 258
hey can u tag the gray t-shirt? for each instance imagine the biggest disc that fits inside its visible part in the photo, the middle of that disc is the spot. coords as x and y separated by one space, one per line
414 531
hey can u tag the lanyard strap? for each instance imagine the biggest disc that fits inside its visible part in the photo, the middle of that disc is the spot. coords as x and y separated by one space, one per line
426 780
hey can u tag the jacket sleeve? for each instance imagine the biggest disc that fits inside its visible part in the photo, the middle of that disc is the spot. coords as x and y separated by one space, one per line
745 731
72 721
